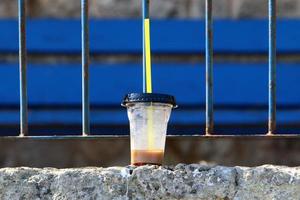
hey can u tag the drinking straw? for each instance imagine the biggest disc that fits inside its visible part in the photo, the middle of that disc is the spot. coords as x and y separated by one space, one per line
147 76
147 79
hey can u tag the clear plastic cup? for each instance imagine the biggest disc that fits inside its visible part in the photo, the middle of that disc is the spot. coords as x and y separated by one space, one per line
148 115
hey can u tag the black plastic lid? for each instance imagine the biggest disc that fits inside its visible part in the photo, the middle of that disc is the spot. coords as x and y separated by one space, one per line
149 97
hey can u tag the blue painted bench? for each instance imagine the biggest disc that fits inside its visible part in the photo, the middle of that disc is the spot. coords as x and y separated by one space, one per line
54 90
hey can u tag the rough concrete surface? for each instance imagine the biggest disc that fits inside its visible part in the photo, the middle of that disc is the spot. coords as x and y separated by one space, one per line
151 182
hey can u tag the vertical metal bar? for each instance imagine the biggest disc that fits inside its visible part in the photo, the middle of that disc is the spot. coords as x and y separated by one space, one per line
209 67
272 66
145 7
22 68
85 67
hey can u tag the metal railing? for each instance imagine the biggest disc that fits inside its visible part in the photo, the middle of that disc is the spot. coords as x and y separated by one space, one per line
209 67
23 70
85 68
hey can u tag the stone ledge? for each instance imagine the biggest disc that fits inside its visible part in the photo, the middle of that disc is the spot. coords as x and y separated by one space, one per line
151 182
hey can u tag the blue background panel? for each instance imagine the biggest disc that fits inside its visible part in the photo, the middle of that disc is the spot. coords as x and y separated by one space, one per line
54 93
235 84
168 36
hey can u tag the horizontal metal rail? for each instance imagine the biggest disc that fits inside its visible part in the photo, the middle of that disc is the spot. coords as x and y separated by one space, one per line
95 137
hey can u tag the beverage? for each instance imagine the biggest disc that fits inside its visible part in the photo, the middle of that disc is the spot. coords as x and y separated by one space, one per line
144 157
148 115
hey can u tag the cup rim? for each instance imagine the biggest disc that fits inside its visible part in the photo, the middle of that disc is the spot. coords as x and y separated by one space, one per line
148 98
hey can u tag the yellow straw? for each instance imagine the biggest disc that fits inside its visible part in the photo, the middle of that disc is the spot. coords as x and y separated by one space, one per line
148 56
149 83
150 128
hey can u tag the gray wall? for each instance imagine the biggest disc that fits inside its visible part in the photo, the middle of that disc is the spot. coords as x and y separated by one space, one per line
159 8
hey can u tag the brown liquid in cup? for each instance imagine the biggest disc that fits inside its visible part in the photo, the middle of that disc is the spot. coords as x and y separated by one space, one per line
144 157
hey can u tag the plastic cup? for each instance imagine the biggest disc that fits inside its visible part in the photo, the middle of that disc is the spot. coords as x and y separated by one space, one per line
148 115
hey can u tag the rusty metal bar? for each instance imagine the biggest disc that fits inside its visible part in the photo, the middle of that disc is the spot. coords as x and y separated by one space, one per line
272 66
22 68
126 137
209 67
85 67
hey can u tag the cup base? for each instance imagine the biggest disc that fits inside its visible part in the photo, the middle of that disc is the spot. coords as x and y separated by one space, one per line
147 157
142 164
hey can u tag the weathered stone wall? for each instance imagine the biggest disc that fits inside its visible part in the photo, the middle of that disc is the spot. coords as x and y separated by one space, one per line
81 153
151 182
159 8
